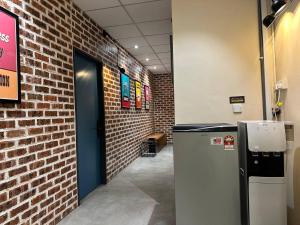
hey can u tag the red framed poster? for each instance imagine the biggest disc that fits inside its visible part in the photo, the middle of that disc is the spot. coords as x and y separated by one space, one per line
147 96
10 90
138 95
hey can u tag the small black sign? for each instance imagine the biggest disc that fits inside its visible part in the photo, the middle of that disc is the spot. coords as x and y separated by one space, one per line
237 99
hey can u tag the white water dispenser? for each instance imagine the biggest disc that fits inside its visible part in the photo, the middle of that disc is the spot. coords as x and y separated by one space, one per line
262 145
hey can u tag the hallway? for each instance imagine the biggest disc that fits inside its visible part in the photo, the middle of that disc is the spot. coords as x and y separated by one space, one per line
143 194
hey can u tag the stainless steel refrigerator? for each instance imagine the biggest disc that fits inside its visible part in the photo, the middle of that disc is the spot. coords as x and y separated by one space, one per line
206 174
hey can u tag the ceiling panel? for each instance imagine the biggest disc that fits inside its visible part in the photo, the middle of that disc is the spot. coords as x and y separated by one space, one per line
145 23
143 58
168 66
150 11
154 28
158 39
141 51
93 4
152 62
125 31
110 17
126 2
161 48
164 55
131 42
157 69
166 60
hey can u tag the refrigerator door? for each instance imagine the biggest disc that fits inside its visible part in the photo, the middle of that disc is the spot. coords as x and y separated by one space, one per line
267 201
242 148
206 179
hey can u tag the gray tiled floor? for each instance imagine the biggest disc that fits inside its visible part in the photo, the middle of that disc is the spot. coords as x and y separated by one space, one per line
143 194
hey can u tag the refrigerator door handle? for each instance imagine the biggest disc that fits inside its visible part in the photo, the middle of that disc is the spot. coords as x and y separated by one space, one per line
242 172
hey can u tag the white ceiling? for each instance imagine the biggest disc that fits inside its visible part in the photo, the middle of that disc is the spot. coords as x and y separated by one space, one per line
146 23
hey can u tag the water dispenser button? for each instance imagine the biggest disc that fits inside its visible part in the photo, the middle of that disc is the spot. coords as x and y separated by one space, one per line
276 154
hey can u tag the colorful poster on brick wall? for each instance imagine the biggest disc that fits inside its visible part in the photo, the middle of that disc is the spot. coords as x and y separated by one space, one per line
138 95
147 96
125 91
9 57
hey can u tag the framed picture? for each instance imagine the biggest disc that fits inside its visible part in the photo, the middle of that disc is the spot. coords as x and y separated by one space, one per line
138 95
125 91
147 96
10 90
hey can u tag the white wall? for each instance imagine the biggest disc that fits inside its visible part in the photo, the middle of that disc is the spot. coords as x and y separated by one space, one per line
287 48
216 55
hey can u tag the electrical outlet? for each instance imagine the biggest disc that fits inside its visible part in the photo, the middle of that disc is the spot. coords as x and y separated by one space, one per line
282 84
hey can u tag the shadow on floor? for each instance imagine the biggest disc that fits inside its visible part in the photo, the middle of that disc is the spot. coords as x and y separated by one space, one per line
143 194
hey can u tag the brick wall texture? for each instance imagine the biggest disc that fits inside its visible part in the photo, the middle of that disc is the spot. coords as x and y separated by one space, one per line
163 91
38 177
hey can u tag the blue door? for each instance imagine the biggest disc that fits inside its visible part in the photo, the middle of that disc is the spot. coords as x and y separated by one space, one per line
88 108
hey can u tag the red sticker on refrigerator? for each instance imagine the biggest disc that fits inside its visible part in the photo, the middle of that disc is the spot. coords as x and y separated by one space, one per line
229 143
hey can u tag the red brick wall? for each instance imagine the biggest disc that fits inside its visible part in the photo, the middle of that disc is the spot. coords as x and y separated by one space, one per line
164 104
38 177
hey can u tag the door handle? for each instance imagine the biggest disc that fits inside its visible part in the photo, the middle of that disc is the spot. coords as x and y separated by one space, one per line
242 172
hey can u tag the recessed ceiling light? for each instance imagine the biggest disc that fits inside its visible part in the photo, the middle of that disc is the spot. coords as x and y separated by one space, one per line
136 46
147 59
155 67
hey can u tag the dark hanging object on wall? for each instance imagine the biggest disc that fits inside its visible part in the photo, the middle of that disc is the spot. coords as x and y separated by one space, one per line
122 70
105 34
269 20
277 7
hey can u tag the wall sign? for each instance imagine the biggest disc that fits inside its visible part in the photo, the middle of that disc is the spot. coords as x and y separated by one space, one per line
125 91
147 97
237 99
10 90
138 95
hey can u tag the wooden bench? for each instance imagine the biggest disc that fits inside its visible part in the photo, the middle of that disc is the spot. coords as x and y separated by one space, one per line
156 142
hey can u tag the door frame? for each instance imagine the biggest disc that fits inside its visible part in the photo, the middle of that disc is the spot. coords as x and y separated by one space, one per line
100 87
